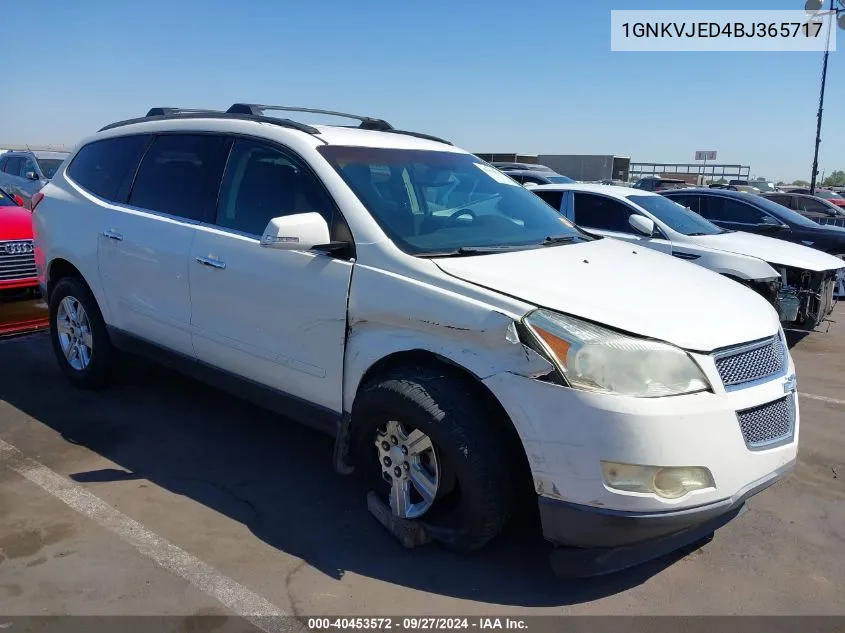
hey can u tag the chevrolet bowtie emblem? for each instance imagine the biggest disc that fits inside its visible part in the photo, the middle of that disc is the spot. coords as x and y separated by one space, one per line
790 384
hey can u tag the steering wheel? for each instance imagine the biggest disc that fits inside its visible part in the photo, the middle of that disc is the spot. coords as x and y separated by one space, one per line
453 217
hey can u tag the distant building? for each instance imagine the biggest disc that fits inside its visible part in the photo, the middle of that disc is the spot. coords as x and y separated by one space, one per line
13 147
693 173
586 167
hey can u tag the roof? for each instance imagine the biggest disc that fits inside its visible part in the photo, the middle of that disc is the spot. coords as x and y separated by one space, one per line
730 193
243 117
38 153
608 190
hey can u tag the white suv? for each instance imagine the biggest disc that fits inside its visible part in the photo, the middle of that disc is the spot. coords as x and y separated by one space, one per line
457 336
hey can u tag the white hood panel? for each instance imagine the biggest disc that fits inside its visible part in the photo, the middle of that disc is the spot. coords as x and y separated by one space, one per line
628 288
771 250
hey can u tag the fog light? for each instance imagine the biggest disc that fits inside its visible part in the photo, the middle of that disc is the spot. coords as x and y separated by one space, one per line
669 482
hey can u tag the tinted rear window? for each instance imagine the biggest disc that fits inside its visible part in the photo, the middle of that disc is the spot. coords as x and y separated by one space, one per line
105 168
180 175
49 166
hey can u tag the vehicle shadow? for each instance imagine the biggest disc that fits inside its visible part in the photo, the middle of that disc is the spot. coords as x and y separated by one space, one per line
276 478
795 336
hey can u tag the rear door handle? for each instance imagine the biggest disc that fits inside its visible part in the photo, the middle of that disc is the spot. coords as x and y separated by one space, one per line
113 235
210 261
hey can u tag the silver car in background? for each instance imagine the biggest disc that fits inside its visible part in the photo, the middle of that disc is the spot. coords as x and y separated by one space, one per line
23 173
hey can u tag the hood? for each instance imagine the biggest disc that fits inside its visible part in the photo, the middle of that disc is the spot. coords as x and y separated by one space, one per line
771 250
628 288
15 223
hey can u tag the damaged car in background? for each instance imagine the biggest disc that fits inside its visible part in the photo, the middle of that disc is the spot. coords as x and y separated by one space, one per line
816 284
798 281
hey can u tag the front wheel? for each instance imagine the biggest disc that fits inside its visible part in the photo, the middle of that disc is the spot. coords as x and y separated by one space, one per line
839 288
78 333
435 454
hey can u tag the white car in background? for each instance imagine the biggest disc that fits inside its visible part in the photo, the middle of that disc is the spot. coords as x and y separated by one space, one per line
655 222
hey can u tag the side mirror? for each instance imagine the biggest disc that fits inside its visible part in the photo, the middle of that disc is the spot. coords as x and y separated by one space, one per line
641 224
298 232
18 200
31 175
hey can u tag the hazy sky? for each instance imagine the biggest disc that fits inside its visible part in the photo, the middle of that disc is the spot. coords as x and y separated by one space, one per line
490 76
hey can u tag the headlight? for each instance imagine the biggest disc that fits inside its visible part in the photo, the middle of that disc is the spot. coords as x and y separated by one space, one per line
594 358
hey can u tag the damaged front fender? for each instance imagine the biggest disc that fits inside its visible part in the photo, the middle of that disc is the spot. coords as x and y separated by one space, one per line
390 318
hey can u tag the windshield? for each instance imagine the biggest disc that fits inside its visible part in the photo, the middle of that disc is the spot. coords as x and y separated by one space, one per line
559 179
784 213
49 166
827 195
763 186
5 200
675 216
434 203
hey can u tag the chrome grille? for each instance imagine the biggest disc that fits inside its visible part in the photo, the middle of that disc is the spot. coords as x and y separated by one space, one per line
751 362
17 260
838 221
768 424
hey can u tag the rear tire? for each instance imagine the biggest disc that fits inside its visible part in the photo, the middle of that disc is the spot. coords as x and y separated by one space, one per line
476 476
78 333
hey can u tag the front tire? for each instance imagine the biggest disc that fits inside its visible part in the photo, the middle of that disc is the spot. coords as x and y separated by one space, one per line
839 290
78 333
449 467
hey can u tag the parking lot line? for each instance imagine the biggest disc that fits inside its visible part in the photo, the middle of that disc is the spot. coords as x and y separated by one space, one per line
813 396
243 602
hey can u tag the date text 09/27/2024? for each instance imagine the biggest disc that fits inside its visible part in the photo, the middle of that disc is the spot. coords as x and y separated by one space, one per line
716 29
417 623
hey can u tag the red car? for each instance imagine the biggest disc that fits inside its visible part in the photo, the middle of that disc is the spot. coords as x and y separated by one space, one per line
17 255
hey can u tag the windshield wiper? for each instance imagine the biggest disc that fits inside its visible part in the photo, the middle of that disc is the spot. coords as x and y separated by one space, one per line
558 239
465 251
695 234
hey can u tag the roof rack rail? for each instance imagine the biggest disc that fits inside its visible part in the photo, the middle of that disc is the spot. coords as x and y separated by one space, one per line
427 137
367 123
169 111
214 114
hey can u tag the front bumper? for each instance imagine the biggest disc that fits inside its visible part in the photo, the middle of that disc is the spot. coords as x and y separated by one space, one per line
584 526
606 541
15 284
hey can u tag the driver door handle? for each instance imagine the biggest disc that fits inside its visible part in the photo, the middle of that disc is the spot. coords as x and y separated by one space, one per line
213 262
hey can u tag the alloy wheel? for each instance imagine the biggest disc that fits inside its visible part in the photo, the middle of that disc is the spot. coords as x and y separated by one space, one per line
409 464
74 332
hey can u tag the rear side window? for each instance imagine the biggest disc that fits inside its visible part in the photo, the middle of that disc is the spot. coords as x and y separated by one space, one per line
554 198
730 210
808 205
13 165
690 202
180 175
598 212
784 200
105 168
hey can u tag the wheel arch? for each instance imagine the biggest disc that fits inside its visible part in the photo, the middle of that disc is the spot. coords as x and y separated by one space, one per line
58 269
61 267
420 357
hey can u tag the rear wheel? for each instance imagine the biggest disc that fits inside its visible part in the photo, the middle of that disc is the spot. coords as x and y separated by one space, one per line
78 333
435 454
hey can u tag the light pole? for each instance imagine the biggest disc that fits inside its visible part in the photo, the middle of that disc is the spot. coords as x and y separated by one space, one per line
814 7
